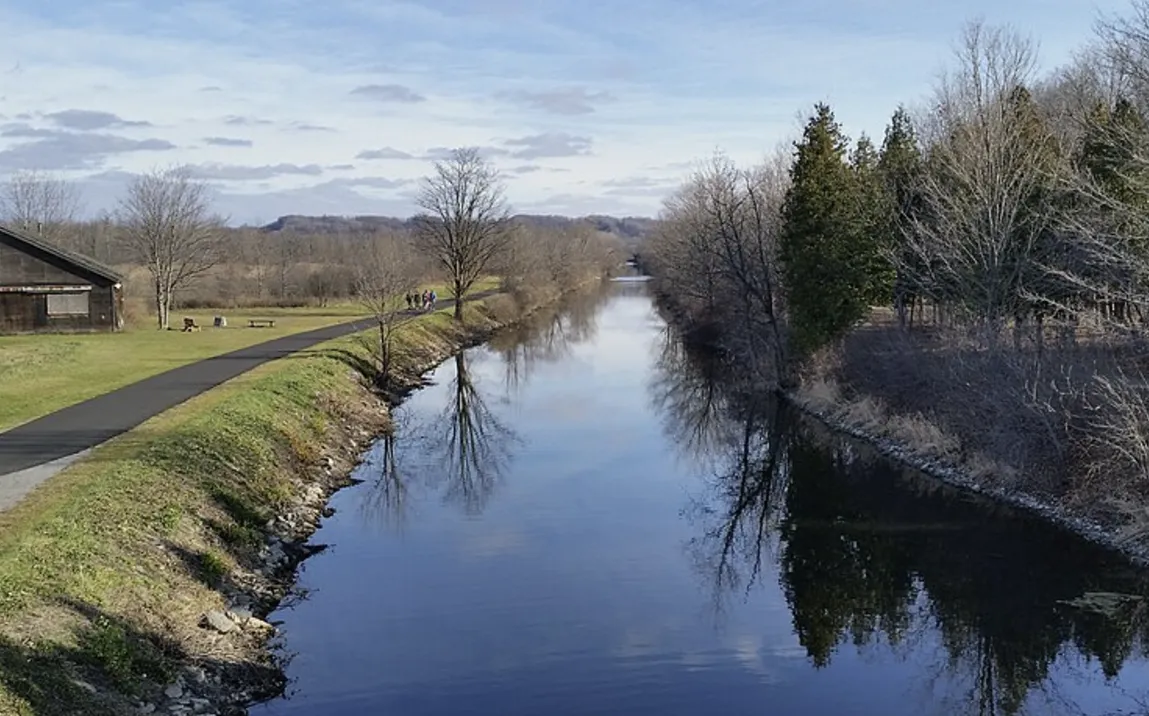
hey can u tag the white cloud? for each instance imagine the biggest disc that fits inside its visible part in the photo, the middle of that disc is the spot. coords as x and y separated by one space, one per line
562 100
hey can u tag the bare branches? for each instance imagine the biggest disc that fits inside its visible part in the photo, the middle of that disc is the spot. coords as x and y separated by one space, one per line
985 195
168 227
466 223
718 253
40 204
386 273
1123 49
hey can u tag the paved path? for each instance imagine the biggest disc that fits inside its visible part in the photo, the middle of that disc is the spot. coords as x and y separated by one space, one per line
35 451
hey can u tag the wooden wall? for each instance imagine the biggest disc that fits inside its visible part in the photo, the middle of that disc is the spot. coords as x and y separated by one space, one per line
27 279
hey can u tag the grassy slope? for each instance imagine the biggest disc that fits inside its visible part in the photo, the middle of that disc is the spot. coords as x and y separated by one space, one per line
43 373
105 570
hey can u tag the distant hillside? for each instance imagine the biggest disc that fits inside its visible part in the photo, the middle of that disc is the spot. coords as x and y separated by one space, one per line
630 229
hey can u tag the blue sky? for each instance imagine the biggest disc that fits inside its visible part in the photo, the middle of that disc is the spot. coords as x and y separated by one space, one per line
587 106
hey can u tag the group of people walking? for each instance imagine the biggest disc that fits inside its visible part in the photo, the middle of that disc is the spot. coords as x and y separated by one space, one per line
424 301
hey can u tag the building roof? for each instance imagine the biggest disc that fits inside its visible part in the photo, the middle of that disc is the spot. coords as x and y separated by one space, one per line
79 260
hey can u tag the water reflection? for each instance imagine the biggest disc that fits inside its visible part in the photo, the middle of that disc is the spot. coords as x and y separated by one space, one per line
547 336
462 453
712 419
388 498
465 450
688 391
473 445
996 611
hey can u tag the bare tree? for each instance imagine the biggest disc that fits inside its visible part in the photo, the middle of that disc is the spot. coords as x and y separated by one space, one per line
169 228
982 224
386 274
40 203
718 246
1123 50
466 223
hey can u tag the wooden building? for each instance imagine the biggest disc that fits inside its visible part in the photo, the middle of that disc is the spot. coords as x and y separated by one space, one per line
46 289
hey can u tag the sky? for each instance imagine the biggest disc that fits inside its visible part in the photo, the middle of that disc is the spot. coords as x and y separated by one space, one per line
585 106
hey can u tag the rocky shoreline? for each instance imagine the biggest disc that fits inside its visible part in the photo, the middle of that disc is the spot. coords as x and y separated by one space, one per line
268 581
1104 536
949 474
252 593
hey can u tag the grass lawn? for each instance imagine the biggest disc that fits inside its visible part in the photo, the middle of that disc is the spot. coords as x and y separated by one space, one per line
120 554
40 374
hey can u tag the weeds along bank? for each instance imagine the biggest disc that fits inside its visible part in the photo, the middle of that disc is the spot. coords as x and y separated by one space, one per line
1067 450
135 581
971 293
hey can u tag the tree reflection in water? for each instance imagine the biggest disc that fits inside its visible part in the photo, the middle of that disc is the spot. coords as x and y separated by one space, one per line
461 452
474 447
885 560
740 442
465 449
547 336
387 501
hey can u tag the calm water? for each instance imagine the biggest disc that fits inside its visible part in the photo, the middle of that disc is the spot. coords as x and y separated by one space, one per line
579 520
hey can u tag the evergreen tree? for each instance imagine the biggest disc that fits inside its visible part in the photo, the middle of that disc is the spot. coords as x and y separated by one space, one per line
873 220
825 267
1113 140
900 162
1034 242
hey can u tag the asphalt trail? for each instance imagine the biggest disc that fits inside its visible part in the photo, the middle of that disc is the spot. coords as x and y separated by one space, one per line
81 427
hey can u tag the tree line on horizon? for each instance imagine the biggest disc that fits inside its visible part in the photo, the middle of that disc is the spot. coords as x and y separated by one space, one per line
981 272
177 252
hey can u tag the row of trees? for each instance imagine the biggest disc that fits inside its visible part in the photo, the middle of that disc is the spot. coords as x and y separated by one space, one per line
1006 197
1006 205
165 223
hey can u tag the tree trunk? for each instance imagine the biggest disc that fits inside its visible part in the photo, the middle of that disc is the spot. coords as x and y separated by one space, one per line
384 376
458 301
161 313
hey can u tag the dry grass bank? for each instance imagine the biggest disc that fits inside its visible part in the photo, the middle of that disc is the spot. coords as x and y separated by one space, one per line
1057 420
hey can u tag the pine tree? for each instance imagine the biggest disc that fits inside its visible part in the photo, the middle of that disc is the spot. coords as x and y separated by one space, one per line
1034 242
900 162
825 274
1113 139
872 224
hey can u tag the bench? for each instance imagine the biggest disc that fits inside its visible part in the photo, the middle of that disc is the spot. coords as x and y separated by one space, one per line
261 323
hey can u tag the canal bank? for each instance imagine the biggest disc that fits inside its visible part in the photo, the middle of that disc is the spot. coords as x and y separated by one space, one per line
582 518
135 581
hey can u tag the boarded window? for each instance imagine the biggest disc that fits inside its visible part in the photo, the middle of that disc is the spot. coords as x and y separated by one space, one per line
68 304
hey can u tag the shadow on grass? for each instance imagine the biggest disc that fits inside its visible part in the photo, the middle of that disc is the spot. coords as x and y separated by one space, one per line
110 654
207 567
112 666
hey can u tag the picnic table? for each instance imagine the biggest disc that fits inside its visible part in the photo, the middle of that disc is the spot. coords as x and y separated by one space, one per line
261 323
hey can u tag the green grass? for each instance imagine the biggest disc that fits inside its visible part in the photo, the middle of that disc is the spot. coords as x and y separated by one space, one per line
43 373
106 568
40 374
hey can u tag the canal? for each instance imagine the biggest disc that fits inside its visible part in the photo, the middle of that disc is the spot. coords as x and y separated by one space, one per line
582 518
